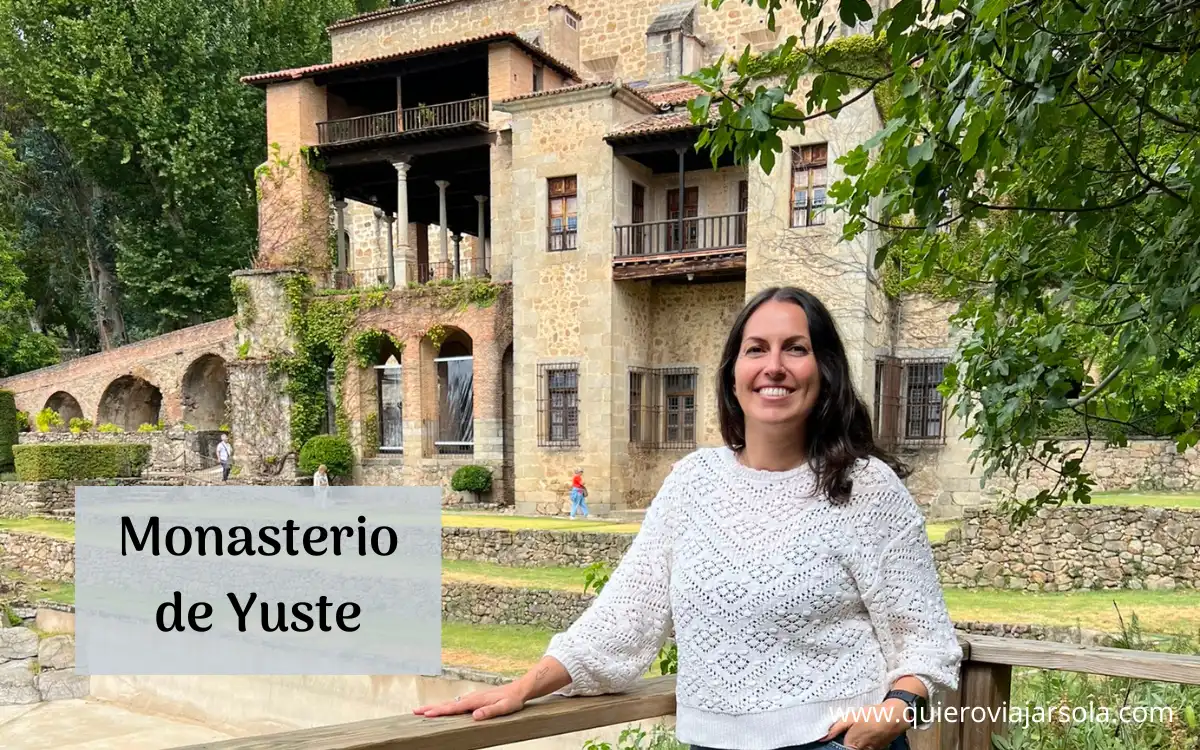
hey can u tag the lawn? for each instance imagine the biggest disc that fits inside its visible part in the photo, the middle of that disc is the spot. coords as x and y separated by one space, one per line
37 590
44 526
504 649
1153 499
550 523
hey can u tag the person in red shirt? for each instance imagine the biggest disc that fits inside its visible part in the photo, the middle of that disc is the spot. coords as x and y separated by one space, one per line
578 494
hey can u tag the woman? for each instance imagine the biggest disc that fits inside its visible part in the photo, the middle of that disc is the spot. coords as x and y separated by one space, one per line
791 562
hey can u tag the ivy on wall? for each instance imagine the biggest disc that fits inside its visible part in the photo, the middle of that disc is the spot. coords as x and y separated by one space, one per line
323 326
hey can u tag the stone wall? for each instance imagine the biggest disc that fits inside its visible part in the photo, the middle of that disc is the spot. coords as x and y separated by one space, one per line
530 549
34 669
1074 548
162 361
41 557
400 470
171 450
501 605
1142 465
53 497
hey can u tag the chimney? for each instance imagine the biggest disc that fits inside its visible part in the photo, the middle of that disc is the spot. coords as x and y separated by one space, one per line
562 37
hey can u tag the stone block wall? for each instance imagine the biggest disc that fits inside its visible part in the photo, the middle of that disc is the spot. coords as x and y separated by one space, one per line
35 669
41 557
1074 548
416 471
530 549
50 498
501 605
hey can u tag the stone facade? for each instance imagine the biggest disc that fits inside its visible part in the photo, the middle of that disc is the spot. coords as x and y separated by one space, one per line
1074 548
502 605
54 497
41 557
35 669
530 549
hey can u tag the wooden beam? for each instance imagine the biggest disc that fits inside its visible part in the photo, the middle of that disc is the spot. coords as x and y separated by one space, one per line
1112 662
545 717
672 265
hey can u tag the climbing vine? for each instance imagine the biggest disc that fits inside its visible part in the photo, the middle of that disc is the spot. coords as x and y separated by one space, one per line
244 301
458 293
437 335
860 55
367 345
371 435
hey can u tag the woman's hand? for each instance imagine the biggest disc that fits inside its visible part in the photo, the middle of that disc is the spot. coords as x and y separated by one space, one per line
874 727
482 704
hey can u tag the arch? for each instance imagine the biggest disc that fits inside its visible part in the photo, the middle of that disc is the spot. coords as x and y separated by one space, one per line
455 367
129 402
389 389
205 389
66 405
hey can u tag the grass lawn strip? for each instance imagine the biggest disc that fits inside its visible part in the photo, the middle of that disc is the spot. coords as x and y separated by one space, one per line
51 527
505 649
547 523
1151 499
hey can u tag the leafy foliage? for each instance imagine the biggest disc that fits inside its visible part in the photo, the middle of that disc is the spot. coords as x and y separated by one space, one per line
471 478
636 738
47 419
161 137
38 462
1039 167
8 429
332 450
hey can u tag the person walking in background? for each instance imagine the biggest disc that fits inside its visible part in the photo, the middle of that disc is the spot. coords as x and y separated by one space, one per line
578 495
791 563
225 455
321 484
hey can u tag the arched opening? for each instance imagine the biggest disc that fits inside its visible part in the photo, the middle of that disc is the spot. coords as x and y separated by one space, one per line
329 415
205 389
389 375
130 402
66 405
455 366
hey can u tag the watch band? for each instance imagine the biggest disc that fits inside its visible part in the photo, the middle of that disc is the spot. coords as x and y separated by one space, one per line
917 703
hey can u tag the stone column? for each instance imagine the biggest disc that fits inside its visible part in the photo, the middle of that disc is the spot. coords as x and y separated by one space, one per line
457 237
402 248
480 259
339 211
391 252
442 220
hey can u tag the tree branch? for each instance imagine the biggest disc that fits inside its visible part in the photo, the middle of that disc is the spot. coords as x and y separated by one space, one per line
1100 387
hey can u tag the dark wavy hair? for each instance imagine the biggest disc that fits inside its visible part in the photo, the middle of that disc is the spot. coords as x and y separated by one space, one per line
838 431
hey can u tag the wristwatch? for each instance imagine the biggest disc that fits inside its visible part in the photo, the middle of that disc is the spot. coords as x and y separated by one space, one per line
918 706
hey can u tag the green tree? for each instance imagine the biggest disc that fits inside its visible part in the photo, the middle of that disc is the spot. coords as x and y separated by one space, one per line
146 99
1053 144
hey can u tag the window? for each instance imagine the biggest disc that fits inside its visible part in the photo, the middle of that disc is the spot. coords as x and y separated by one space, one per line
391 406
808 184
563 213
923 405
558 405
908 406
538 75
662 407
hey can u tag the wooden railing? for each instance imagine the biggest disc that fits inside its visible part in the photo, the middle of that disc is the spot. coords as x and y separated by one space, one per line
983 689
424 117
698 232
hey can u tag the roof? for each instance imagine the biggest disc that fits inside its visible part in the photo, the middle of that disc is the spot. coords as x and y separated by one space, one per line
671 94
671 122
678 17
578 87
293 74
388 12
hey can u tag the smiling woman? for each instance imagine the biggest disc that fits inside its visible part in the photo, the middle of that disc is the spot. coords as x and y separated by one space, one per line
791 563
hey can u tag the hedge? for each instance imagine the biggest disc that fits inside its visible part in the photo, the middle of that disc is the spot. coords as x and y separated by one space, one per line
83 461
477 479
8 429
333 451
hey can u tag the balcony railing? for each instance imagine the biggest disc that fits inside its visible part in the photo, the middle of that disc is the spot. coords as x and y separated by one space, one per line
357 278
964 721
698 233
462 268
412 119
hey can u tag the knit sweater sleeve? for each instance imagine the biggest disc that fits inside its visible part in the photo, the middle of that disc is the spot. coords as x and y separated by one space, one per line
615 640
899 585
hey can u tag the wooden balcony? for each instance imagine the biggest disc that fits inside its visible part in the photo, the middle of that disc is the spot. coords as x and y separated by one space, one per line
412 120
709 246
966 721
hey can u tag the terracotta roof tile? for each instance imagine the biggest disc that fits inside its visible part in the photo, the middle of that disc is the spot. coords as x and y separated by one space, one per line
387 12
576 87
671 94
664 123
312 70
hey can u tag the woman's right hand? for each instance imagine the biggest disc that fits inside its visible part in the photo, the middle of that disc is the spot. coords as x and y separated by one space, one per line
482 704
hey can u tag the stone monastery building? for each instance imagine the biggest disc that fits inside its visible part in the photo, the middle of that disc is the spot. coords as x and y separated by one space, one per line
500 203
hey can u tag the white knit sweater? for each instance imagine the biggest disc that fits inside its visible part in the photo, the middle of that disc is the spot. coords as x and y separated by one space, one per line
787 609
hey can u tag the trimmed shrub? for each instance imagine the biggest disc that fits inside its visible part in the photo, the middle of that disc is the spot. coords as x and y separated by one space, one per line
477 479
36 463
8 429
331 450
